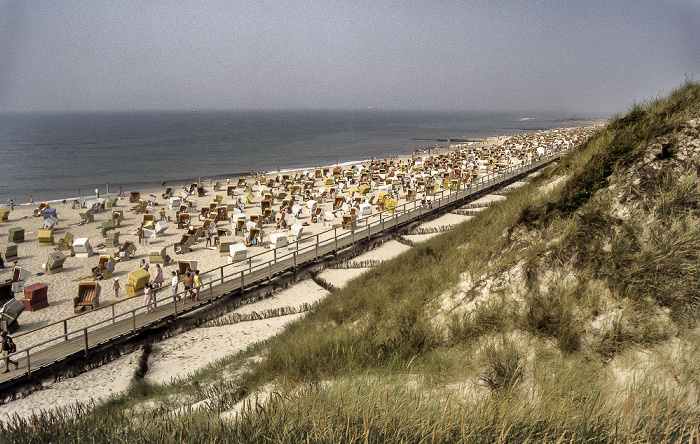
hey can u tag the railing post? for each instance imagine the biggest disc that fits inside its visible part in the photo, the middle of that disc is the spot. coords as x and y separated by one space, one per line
316 258
242 281
335 236
269 271
113 319
295 260
65 330
175 305
274 254
85 336
133 317
222 275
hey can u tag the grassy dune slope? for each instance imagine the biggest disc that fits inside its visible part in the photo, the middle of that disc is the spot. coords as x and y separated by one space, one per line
566 313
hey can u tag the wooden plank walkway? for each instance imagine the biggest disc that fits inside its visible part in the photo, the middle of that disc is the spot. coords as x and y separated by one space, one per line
134 321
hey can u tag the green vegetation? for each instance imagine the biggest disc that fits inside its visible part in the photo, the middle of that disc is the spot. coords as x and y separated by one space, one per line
567 313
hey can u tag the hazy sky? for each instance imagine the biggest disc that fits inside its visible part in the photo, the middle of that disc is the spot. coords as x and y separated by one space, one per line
592 57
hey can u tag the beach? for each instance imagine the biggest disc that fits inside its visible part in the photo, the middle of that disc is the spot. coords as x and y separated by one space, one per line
245 193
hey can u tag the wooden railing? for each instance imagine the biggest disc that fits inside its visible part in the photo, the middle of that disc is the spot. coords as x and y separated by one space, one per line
251 271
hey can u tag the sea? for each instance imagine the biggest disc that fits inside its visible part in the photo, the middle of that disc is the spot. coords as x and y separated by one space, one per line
55 156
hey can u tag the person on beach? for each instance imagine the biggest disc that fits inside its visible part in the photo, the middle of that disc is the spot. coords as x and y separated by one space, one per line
174 283
158 279
8 346
31 200
116 287
208 244
197 282
187 283
144 264
147 296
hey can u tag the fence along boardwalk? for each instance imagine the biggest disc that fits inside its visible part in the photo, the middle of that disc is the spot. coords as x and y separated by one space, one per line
231 277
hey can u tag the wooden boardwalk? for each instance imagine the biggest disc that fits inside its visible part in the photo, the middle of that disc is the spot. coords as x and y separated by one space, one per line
130 323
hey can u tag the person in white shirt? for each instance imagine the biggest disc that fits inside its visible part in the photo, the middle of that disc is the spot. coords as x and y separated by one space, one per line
175 282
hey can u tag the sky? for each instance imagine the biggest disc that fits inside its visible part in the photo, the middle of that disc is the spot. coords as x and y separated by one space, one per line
593 58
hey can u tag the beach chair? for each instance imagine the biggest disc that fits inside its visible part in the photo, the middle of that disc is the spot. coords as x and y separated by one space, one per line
137 280
295 232
183 266
183 220
339 200
112 240
249 198
224 243
148 221
174 203
239 224
201 191
279 197
269 216
106 266
82 247
230 190
186 243
35 297
135 196
126 251
9 313
106 227
391 206
221 214
296 189
55 261
45 237
168 193
66 242
9 250
349 221
237 252
50 222
87 216
4 215
88 296
317 216
118 217
328 182
278 241
158 256
15 235
241 182
255 236
161 226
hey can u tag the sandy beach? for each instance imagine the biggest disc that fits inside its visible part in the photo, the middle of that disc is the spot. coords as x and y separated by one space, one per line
221 340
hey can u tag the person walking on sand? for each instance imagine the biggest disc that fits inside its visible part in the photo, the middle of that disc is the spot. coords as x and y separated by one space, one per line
174 282
197 281
8 346
116 288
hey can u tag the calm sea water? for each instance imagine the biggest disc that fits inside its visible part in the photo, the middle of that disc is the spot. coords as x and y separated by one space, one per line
40 154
